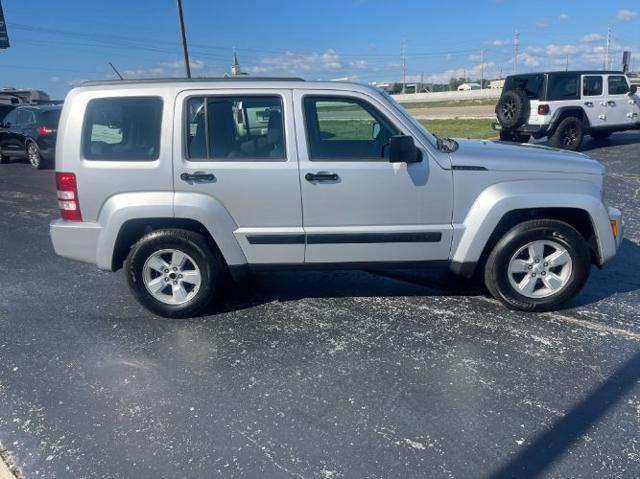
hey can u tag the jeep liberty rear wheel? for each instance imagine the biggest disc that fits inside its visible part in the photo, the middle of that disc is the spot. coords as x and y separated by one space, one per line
174 273
568 135
538 265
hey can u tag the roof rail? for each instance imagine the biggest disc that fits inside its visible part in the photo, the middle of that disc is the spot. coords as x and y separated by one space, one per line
191 80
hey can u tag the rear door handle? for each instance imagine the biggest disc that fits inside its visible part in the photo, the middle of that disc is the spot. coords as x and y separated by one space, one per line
611 103
321 176
197 177
588 103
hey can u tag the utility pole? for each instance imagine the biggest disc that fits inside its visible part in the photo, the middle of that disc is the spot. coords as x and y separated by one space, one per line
605 65
567 65
516 50
404 65
482 69
183 37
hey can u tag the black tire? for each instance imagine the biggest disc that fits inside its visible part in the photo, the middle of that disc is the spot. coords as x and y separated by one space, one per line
568 135
512 136
600 135
496 272
34 156
513 109
207 259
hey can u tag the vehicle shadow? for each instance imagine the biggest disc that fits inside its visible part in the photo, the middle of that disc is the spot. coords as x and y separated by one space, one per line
282 286
551 444
618 276
590 143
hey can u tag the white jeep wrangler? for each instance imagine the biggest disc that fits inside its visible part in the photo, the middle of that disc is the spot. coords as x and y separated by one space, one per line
183 182
565 106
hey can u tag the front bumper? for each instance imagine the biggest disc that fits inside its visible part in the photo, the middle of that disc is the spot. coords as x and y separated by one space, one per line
75 239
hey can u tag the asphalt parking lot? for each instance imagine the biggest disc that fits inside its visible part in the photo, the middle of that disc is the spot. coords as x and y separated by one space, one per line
327 374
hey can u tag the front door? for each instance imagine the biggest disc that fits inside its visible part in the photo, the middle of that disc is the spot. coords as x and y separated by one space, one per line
236 149
357 206
620 106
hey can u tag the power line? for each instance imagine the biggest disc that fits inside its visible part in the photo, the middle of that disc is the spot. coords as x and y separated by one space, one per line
516 50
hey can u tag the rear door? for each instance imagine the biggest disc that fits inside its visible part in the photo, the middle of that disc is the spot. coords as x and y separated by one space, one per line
358 207
238 148
620 107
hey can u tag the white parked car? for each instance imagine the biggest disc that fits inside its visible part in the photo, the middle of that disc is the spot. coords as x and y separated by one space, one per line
183 182
565 106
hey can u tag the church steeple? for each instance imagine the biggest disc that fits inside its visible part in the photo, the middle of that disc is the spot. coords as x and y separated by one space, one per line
235 66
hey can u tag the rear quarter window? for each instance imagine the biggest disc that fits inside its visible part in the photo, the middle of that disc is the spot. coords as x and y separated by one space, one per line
531 84
122 129
563 87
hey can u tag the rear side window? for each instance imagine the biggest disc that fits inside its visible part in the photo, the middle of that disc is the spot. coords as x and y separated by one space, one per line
235 128
26 117
563 87
530 84
618 85
51 118
122 129
592 86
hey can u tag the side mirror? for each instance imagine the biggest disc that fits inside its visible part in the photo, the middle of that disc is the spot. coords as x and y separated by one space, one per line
633 89
402 149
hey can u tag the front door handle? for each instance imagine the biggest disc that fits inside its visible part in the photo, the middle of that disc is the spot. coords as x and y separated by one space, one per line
321 176
197 177
611 103
588 103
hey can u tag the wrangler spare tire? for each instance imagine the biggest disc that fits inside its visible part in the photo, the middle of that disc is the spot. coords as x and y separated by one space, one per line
513 109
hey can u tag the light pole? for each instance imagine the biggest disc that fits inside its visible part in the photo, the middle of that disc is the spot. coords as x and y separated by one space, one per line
183 37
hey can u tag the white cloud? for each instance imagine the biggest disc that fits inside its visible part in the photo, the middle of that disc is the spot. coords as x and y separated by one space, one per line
624 15
563 17
55 78
557 50
359 64
296 63
498 43
472 72
541 23
591 37
528 60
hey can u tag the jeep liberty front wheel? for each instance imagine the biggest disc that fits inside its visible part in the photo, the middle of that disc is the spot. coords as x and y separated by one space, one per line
174 273
538 265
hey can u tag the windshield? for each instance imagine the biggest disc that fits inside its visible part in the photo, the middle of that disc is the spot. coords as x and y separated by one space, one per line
430 137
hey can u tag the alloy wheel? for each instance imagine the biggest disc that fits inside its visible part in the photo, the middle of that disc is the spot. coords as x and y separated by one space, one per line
540 269
171 276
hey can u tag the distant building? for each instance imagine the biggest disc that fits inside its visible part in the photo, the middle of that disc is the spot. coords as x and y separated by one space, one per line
17 96
496 84
387 86
235 68
469 86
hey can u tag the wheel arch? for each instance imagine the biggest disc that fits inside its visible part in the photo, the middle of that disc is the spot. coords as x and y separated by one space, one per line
498 209
565 112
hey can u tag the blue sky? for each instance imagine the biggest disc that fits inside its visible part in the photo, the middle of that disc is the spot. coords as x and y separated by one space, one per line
56 44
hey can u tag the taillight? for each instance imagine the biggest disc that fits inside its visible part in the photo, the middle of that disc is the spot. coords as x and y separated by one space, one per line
45 130
543 109
68 197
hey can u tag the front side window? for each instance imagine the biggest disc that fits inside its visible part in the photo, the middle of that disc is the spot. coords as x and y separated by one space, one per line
122 129
563 87
592 86
11 118
235 128
345 129
618 85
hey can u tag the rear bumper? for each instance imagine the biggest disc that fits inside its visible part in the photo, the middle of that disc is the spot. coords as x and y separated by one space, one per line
537 131
75 240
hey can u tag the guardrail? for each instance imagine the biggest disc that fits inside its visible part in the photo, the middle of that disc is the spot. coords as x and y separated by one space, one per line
487 93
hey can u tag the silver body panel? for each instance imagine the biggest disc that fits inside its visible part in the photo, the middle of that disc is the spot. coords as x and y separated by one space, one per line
454 208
